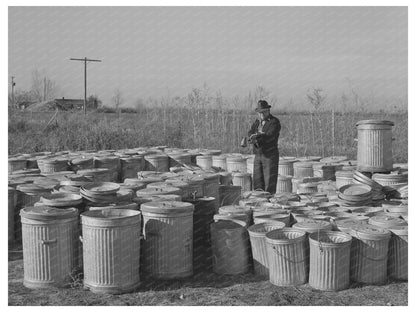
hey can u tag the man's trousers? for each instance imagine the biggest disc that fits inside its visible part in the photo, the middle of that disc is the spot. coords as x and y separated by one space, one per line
265 172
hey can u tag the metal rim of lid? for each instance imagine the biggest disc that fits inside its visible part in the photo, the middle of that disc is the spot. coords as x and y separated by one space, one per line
62 198
260 229
33 188
46 213
375 122
368 231
386 220
366 190
101 188
272 239
167 207
318 236
344 173
235 209
312 224
112 214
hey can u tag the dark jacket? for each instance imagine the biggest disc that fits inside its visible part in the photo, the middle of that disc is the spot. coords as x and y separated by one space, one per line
266 143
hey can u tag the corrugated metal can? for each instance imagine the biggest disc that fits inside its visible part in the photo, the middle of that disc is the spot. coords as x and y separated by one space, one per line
111 250
130 166
369 253
397 264
374 150
219 162
229 194
211 187
205 208
50 246
250 164
204 161
329 267
236 164
303 169
17 163
286 254
284 184
230 246
286 167
157 162
257 234
179 159
343 177
242 179
168 239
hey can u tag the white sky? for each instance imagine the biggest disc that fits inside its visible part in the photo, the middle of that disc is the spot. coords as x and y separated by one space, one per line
150 51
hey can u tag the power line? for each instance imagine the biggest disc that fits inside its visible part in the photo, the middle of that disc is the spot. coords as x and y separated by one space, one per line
85 60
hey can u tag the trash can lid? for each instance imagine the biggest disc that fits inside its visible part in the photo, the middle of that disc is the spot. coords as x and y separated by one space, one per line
375 122
61 199
33 188
44 213
368 231
170 207
311 226
386 221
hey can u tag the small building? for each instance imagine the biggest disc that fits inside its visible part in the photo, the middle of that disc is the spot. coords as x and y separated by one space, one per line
69 104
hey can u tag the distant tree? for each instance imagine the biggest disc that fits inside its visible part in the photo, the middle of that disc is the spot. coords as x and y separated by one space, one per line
117 99
93 102
43 88
22 96
315 98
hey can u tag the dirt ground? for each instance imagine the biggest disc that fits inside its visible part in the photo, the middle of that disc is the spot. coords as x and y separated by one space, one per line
205 289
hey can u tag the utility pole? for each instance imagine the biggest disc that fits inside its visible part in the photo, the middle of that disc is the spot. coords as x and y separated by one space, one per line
13 84
85 60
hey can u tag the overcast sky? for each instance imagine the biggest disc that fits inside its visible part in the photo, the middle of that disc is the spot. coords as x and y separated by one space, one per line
150 51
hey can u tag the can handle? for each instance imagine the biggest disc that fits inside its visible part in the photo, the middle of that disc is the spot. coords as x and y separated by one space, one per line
48 241
81 239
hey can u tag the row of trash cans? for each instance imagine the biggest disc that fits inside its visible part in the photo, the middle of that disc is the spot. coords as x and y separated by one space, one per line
173 247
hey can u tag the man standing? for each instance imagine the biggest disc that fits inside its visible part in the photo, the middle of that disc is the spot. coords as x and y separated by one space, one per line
264 134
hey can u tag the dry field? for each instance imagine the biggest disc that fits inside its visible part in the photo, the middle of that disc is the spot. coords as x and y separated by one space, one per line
302 133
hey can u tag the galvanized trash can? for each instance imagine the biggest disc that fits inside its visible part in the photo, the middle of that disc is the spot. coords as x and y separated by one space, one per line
230 247
50 246
257 234
286 253
205 208
329 267
168 239
397 264
369 253
374 150
111 250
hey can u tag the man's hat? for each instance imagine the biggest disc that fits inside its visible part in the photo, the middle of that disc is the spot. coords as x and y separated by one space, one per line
262 106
